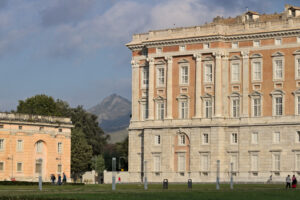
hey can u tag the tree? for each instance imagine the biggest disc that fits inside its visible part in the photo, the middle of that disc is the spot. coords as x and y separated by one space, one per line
81 153
98 164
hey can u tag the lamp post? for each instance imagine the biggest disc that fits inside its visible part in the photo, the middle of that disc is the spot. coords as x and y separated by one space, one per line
40 160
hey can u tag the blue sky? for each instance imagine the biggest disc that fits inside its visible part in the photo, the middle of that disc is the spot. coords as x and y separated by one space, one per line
75 50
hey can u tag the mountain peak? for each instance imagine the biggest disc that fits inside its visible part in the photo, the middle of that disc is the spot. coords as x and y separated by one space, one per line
113 112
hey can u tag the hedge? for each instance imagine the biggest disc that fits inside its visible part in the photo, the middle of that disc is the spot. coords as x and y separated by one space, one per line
31 183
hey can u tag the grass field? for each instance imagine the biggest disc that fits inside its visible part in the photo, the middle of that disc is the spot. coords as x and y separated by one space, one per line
155 191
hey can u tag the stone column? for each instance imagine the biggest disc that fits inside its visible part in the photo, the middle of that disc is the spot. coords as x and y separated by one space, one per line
198 102
225 85
151 89
135 91
245 112
218 85
169 87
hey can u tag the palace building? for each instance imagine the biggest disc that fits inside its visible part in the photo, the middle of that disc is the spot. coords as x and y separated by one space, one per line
32 145
228 90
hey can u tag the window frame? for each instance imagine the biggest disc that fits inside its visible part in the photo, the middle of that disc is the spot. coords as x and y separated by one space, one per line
180 168
157 140
2 147
278 41
156 163
208 79
181 67
297 67
238 64
252 138
234 138
22 145
182 139
19 171
205 140
160 110
274 164
276 137
255 44
203 167
160 80
145 71
3 164
237 112
275 95
278 57
253 77
235 45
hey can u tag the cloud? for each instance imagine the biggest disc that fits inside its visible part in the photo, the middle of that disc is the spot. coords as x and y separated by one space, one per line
66 11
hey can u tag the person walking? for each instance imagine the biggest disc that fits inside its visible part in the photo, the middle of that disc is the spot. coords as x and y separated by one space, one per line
288 182
53 179
294 182
59 179
64 178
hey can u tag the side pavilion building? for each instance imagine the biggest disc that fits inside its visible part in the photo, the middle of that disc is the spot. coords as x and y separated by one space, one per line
32 145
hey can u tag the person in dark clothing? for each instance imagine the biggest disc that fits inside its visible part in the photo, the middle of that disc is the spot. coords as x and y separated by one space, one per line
59 180
64 178
53 179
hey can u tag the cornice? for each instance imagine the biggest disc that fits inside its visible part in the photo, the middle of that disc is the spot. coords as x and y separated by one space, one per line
213 38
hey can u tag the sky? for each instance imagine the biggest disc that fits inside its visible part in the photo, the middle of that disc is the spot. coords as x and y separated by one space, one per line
75 50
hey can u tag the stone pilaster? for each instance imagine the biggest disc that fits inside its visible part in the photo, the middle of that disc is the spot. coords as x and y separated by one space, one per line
245 54
151 89
198 103
169 87
135 91
225 85
218 84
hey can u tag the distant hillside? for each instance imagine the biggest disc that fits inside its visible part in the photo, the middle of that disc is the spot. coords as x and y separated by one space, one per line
113 113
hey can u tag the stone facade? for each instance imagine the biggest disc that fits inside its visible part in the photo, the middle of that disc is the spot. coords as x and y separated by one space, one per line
228 91
34 145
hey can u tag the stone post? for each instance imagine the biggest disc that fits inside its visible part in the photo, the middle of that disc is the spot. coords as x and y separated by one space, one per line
151 89
169 87
245 112
218 85
198 106
135 91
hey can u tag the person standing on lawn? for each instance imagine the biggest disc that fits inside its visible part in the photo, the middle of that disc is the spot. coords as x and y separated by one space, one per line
288 182
64 178
53 178
294 182
59 179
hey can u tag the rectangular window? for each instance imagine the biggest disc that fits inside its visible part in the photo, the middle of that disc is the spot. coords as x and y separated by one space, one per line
278 41
298 162
19 167
208 108
234 45
160 76
1 144
276 162
182 48
1 166
181 162
254 138
1 126
208 73
205 138
298 39
257 107
19 145
256 43
160 110
38 167
278 69
257 71
206 46
59 166
157 163
183 110
20 127
276 137
298 136
39 146
234 161
235 108
145 111
204 163
145 77
298 68
157 139
60 130
298 104
184 75
159 50
182 139
235 72
234 138
59 147
278 106
254 162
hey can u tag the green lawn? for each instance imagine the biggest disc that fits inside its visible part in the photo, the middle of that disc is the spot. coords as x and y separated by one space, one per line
155 191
